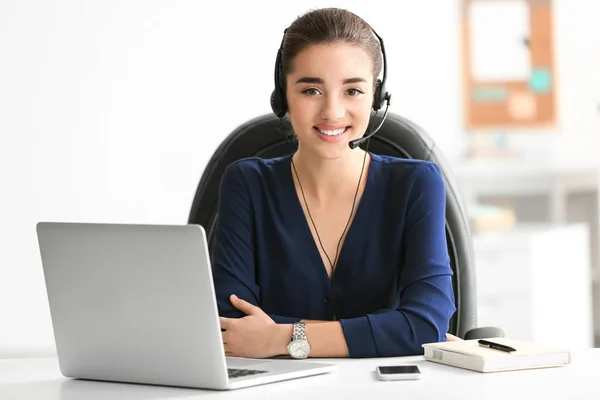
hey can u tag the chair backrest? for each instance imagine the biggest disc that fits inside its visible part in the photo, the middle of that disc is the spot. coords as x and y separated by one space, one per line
399 137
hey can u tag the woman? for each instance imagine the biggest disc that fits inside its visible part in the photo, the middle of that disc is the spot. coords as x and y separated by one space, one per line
331 251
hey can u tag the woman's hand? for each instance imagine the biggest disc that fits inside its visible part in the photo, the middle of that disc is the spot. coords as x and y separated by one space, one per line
452 338
251 336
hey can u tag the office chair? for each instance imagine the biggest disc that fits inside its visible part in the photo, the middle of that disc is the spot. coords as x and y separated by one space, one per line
398 137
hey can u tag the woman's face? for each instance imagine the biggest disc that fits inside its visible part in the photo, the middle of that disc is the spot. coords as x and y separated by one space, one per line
329 95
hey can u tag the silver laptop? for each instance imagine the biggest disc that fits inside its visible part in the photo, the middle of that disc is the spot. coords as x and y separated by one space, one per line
136 303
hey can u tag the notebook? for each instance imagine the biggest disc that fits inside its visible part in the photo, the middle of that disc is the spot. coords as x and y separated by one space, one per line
469 354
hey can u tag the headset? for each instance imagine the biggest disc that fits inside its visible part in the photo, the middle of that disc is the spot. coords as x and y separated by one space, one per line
381 95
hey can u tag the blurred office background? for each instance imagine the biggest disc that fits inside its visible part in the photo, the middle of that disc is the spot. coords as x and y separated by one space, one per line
110 110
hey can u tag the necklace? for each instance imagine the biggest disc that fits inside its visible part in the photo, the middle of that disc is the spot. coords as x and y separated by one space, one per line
334 263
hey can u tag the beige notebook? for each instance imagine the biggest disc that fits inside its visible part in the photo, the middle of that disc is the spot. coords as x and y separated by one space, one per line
469 354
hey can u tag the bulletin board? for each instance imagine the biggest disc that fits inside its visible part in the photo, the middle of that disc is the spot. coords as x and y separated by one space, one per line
508 67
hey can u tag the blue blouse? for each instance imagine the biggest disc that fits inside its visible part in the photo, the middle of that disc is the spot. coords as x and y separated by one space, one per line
392 286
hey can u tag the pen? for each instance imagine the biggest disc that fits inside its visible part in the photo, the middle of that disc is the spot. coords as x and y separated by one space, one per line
497 346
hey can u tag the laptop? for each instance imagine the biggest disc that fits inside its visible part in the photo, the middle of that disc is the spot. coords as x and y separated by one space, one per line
136 303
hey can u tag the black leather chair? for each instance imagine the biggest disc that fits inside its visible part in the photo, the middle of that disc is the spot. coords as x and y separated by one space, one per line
398 137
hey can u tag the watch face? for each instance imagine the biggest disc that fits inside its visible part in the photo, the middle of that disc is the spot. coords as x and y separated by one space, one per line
299 348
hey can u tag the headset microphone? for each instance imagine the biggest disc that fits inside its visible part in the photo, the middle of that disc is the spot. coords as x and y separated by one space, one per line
357 142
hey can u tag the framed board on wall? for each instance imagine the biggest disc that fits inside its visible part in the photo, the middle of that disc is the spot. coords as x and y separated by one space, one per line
508 67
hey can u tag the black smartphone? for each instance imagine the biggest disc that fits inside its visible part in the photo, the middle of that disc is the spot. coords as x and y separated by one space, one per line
398 372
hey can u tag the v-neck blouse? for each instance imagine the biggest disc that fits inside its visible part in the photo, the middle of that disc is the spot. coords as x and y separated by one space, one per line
302 227
392 286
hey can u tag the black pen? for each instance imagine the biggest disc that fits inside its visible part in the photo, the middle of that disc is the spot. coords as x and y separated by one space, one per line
497 346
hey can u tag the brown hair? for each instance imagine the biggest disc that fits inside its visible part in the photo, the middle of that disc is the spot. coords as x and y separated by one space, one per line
325 26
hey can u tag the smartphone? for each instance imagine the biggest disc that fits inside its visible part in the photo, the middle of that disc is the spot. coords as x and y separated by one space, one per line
398 372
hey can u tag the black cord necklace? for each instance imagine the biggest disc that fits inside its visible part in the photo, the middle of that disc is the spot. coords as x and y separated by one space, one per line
349 219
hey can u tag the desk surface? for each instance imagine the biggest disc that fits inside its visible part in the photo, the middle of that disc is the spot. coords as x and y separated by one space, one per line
41 379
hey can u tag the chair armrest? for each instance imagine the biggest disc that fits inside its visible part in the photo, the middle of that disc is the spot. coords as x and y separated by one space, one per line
484 332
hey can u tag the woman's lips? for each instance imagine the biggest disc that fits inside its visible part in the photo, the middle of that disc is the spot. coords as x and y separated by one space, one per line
330 138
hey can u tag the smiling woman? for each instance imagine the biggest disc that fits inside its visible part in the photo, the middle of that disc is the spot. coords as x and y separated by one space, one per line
332 251
321 86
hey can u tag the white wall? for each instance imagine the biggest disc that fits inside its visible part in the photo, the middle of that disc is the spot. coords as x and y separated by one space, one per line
109 110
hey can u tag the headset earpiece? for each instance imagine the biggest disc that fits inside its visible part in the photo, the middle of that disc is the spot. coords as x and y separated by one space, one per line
377 96
278 103
278 100
381 95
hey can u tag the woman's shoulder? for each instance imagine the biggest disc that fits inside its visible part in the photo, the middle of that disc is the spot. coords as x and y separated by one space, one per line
396 167
409 179
256 168
259 164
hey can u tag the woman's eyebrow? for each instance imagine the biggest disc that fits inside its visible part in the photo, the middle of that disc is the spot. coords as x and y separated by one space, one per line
308 79
354 80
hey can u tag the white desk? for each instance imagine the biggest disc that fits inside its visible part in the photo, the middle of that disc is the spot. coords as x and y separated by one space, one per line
41 379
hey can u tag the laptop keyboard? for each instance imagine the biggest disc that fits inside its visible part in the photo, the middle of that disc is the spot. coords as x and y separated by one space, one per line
236 373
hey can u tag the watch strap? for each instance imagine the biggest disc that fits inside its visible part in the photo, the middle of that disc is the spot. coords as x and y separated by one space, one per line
299 331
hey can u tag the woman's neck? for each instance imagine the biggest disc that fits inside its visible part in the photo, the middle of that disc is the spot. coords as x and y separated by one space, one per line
330 180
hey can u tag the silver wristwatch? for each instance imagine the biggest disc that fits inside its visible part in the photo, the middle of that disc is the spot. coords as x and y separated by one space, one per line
299 347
